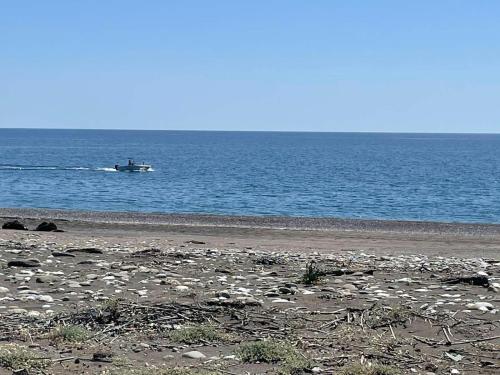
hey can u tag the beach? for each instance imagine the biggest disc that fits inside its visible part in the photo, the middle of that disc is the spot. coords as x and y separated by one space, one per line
195 292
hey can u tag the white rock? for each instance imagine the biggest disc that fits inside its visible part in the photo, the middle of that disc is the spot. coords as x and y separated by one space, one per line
481 306
194 355
46 298
3 290
405 280
495 287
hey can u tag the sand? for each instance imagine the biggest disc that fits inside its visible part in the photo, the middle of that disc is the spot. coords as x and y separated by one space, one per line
324 235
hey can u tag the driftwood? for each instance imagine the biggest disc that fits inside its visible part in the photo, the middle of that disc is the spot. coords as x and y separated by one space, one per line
480 280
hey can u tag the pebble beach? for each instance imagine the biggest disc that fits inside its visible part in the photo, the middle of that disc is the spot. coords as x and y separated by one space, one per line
128 293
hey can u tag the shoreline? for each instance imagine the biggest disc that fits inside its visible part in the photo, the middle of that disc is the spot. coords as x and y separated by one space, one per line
253 222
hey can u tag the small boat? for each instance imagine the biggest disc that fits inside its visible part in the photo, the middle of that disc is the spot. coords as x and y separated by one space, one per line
132 167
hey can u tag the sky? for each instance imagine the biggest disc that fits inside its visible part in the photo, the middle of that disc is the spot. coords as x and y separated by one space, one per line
281 65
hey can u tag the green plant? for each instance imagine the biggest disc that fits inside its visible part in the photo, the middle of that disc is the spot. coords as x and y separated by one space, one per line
16 357
196 334
312 274
69 333
284 353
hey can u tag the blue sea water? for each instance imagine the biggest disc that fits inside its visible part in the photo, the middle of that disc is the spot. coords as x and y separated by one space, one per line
438 177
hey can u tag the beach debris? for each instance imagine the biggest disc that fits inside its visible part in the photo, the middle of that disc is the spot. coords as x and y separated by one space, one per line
85 250
14 224
479 279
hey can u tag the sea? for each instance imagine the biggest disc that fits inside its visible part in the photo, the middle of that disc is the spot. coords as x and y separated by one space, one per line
390 176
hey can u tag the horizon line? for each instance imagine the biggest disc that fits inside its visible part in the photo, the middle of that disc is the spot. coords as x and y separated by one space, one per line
258 131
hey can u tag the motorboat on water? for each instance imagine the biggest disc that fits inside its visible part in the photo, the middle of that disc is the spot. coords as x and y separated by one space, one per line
132 167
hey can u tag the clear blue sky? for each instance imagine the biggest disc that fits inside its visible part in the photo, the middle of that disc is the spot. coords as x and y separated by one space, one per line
351 65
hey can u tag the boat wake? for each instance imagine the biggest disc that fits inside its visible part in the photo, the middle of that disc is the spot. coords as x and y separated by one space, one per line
15 167
12 167
104 169
41 168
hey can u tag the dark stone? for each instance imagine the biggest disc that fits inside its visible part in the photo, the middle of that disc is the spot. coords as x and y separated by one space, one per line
47 279
14 224
195 242
87 261
24 263
46 227
102 357
223 270
62 254
86 250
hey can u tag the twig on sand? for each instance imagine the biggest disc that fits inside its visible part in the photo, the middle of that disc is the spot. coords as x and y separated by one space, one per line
475 340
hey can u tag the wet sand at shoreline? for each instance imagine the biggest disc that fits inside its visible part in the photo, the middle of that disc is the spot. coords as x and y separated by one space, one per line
274 233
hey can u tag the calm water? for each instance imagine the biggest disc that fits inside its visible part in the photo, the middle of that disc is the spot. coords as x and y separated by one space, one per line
389 176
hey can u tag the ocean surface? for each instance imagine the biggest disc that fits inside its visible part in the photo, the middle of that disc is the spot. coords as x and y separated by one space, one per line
431 177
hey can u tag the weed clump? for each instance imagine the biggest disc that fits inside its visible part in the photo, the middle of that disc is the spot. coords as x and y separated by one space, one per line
313 274
196 334
19 357
284 353
69 333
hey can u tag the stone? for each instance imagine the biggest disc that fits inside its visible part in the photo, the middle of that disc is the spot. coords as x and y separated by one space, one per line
47 279
223 270
46 298
128 268
62 254
3 290
494 287
18 311
271 294
46 227
194 355
23 263
223 294
281 300
350 287
481 306
14 224
85 250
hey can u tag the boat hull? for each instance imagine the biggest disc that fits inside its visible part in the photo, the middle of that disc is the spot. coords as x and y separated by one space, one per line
133 168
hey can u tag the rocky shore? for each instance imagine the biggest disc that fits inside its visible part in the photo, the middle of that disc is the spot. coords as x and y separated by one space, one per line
163 298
